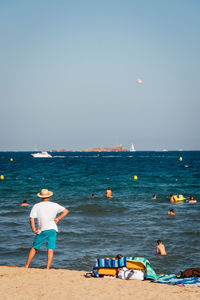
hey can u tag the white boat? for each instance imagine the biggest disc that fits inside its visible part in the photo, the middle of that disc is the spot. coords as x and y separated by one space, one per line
132 149
41 154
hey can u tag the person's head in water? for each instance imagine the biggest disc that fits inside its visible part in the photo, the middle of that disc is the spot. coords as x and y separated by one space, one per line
109 193
25 203
191 200
119 256
171 199
93 195
159 242
154 196
171 212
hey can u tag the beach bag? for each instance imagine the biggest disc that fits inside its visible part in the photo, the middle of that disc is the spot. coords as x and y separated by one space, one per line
191 272
125 273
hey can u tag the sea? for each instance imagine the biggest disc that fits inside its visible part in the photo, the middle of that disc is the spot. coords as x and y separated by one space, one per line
129 224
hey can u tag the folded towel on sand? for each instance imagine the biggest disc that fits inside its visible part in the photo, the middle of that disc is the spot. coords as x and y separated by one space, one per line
173 280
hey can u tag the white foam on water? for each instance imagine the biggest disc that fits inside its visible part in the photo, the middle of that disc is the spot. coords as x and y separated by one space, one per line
108 156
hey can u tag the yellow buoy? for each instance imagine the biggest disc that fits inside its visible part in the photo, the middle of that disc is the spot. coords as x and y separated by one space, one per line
11 159
2 177
180 158
135 177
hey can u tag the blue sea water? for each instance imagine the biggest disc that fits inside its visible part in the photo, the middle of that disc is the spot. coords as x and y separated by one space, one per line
130 223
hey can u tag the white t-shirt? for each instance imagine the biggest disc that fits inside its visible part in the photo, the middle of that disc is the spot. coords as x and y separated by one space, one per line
46 212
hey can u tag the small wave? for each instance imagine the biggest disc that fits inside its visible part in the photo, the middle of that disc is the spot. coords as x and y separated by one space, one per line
14 213
108 156
82 156
56 156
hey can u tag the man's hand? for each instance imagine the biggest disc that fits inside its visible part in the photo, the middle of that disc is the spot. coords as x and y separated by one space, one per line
56 220
36 231
62 215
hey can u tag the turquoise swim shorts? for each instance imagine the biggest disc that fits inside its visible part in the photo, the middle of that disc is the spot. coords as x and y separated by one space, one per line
48 236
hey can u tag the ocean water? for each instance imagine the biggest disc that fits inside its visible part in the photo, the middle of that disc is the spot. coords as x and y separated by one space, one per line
130 223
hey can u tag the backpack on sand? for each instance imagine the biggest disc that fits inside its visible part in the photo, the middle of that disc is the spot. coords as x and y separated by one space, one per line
191 272
125 273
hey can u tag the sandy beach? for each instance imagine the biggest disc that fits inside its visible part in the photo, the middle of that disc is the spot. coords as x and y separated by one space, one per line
19 283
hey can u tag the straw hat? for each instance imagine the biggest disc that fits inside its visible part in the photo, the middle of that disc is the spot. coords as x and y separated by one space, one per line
45 193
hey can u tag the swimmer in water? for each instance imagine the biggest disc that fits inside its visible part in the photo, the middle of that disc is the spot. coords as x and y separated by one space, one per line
154 196
171 212
93 195
171 199
160 249
109 193
25 203
191 200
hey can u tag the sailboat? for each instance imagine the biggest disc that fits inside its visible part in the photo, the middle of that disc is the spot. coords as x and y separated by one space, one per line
132 149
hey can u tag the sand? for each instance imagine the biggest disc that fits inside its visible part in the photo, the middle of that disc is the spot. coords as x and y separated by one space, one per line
19 283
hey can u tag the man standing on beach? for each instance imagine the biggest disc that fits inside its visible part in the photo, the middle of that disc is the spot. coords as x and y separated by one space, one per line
45 212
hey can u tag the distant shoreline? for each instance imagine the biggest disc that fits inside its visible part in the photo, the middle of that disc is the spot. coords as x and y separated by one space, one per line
74 151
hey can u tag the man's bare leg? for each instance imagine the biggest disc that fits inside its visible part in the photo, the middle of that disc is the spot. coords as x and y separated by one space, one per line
49 258
30 257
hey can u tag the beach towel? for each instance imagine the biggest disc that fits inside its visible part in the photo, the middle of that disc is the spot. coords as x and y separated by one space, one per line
110 263
173 280
103 266
149 271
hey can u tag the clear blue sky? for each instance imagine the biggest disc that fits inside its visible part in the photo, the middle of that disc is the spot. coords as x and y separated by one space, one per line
68 73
